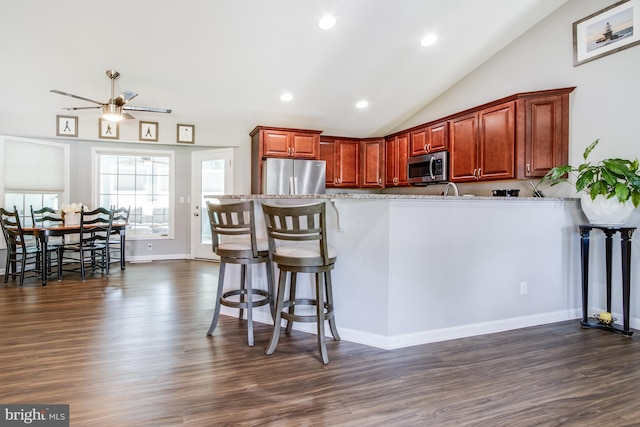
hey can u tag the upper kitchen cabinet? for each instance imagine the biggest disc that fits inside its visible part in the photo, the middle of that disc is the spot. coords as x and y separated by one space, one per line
299 144
543 132
342 156
482 144
429 139
396 157
282 143
372 154
519 137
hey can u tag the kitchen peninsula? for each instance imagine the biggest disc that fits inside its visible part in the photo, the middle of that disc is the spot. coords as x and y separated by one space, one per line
414 269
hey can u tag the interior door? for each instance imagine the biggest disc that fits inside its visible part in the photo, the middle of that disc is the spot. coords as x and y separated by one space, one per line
211 175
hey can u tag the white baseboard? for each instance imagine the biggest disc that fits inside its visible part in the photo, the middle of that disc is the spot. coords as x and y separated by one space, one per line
425 337
149 258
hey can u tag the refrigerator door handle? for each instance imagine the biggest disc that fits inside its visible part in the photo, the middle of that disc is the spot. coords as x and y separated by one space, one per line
291 189
295 185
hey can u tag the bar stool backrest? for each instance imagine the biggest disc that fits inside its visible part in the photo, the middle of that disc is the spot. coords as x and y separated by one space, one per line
295 227
233 229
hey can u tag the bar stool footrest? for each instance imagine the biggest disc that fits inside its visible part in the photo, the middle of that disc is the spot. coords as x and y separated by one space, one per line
266 298
308 318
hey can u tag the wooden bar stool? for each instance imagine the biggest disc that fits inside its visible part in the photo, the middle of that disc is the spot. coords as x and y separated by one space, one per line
298 244
234 241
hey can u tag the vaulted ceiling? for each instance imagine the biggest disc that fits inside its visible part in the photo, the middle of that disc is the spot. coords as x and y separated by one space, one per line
223 64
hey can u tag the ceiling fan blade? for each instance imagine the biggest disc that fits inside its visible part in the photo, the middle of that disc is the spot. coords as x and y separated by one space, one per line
147 109
127 115
80 108
75 96
126 96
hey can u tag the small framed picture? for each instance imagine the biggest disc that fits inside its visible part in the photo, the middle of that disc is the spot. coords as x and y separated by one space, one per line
67 126
108 130
606 31
186 134
148 131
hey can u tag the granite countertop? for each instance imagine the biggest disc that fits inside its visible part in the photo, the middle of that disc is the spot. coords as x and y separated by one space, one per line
378 196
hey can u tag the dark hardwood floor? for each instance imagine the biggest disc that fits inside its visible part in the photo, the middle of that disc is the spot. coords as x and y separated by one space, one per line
131 350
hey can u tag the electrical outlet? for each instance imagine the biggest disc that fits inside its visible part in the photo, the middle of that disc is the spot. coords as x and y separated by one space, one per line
149 247
523 288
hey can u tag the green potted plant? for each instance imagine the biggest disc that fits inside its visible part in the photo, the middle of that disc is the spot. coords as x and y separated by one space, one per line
610 188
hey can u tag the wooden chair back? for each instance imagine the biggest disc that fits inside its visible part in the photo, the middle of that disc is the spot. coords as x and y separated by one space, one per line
233 229
297 226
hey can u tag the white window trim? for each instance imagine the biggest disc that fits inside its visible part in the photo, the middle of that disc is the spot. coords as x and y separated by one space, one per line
95 192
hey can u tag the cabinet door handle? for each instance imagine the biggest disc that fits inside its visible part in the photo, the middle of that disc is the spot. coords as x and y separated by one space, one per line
528 168
479 173
293 151
475 173
429 148
424 147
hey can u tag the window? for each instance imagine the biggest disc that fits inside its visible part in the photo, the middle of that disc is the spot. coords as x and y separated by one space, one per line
142 181
24 200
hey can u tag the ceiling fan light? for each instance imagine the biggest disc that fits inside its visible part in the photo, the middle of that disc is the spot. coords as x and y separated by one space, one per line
112 112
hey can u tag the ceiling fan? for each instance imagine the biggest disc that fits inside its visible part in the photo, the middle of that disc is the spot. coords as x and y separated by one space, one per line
113 109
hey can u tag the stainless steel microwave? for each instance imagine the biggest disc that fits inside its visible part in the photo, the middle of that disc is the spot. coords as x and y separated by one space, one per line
429 168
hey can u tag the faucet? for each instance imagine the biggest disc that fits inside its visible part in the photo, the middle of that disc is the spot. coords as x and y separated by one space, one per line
453 185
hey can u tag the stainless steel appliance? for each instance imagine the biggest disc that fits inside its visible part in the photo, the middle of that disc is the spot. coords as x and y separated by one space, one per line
293 176
429 168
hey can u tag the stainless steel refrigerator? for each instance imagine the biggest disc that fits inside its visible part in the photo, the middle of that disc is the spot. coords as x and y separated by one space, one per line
293 176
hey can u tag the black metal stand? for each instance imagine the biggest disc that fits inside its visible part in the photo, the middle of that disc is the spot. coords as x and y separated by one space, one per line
625 242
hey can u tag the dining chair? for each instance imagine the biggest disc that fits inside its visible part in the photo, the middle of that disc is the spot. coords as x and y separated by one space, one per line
234 240
92 248
297 238
120 217
48 217
24 254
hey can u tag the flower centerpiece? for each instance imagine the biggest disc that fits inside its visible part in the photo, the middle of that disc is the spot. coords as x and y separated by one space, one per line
610 188
71 213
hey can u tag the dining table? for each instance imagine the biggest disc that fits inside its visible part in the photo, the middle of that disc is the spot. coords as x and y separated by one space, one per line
44 233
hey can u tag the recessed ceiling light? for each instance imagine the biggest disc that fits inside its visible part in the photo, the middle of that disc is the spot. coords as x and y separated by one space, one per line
428 40
362 104
286 97
327 22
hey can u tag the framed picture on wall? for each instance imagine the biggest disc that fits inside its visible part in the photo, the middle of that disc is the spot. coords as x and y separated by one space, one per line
607 31
108 130
186 134
148 131
67 126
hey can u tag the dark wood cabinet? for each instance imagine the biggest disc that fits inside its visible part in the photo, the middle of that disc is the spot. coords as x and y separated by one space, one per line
396 156
482 144
496 142
429 139
281 143
463 148
372 154
543 132
342 156
295 144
